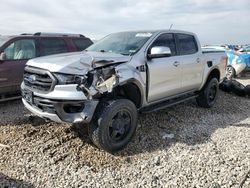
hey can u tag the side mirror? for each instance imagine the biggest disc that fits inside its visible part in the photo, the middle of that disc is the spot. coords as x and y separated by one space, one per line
2 57
159 51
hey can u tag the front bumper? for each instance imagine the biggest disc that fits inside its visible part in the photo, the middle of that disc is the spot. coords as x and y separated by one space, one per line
66 111
64 104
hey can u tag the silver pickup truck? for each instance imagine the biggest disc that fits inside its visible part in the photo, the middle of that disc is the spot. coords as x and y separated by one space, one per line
125 73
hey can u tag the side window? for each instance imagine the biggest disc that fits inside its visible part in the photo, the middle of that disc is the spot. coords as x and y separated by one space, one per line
166 40
21 49
52 46
82 44
187 44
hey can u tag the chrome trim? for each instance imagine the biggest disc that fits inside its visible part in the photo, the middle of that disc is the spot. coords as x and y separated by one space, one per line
41 82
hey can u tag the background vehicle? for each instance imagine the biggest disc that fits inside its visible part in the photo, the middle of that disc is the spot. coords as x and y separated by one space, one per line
15 51
120 75
238 61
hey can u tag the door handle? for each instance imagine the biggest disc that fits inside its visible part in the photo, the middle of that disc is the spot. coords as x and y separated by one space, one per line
176 63
198 60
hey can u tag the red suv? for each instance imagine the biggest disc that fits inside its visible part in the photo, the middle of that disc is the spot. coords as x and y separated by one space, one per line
15 51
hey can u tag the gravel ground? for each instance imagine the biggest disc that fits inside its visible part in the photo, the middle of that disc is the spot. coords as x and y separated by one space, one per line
182 146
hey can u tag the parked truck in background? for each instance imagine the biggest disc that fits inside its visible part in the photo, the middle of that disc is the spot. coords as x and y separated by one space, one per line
124 73
15 51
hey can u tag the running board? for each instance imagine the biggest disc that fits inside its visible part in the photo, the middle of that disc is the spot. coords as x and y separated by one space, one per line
165 104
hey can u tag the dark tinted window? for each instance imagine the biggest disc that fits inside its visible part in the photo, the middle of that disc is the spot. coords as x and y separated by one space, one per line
187 44
82 44
52 46
166 40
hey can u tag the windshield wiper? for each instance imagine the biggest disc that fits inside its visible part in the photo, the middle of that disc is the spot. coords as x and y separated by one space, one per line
125 53
103 51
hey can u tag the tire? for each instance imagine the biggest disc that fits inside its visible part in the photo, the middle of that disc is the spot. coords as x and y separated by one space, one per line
208 95
230 73
114 125
225 85
247 90
237 88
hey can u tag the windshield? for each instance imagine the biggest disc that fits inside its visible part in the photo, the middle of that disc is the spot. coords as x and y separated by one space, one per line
125 43
3 40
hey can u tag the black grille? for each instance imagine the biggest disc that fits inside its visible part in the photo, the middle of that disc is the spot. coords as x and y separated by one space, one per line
38 79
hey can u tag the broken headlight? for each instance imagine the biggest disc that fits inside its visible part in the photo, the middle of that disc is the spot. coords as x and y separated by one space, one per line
63 79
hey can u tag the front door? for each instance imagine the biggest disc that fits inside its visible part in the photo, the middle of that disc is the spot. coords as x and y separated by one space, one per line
164 74
17 54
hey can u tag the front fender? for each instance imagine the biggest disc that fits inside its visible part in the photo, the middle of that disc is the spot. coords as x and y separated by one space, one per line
129 74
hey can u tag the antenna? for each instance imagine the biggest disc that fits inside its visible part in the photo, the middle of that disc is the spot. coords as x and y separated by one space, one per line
170 26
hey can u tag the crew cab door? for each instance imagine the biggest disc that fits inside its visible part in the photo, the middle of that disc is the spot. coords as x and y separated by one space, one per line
17 53
192 62
164 73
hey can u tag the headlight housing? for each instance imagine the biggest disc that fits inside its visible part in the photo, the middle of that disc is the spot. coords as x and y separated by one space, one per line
64 79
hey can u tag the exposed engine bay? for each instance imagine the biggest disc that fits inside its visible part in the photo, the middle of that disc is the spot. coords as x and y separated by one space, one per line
98 81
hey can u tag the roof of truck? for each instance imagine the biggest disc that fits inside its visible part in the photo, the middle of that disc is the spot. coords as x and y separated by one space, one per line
157 31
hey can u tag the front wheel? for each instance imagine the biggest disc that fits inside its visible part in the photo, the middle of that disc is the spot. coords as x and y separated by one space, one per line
208 94
114 125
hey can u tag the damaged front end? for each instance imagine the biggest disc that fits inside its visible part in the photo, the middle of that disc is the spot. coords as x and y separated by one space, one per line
74 97
98 81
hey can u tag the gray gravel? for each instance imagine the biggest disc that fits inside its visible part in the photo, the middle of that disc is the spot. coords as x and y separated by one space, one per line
182 146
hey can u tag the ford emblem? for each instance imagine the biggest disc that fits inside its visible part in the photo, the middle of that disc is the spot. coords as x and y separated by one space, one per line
32 78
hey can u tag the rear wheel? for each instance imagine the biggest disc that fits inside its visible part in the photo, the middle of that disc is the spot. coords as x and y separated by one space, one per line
114 125
208 94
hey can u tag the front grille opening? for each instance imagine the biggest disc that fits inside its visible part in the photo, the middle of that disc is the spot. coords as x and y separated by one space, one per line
73 108
44 105
50 110
38 80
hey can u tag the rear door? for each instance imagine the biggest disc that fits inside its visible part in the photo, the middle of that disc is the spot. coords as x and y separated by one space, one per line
18 52
191 60
50 46
164 73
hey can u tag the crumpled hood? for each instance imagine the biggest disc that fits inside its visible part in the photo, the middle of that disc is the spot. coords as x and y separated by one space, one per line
77 62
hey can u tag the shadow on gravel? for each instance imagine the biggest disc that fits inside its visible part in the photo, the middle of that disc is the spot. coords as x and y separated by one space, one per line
7 182
187 123
81 130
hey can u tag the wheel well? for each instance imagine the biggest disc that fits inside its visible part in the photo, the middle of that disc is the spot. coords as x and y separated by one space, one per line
129 91
214 74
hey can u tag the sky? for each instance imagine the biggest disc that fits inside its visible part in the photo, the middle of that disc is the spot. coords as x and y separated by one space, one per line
214 21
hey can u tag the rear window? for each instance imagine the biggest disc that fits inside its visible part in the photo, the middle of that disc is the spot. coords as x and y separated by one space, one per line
52 46
82 44
187 44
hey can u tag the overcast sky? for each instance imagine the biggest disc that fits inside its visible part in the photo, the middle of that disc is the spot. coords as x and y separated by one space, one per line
215 21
